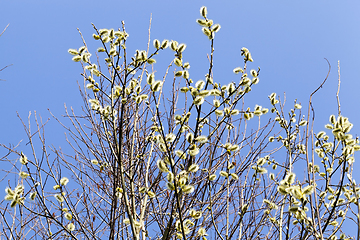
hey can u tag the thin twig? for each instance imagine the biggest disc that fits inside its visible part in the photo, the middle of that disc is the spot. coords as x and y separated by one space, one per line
4 29
338 90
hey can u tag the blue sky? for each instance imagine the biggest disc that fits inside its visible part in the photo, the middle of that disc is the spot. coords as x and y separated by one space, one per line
288 40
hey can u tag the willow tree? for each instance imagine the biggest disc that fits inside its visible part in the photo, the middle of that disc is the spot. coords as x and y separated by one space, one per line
159 155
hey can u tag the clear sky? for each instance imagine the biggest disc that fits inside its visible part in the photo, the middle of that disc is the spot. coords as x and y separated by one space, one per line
288 40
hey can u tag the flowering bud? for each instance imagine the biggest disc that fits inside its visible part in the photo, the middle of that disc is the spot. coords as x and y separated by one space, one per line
238 70
162 166
165 43
174 45
202 22
151 61
203 11
181 48
206 31
150 79
76 58
64 181
194 168
178 62
224 174
96 37
212 177
190 137
178 74
216 27
73 51
157 44
156 86
199 100
23 159
187 189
